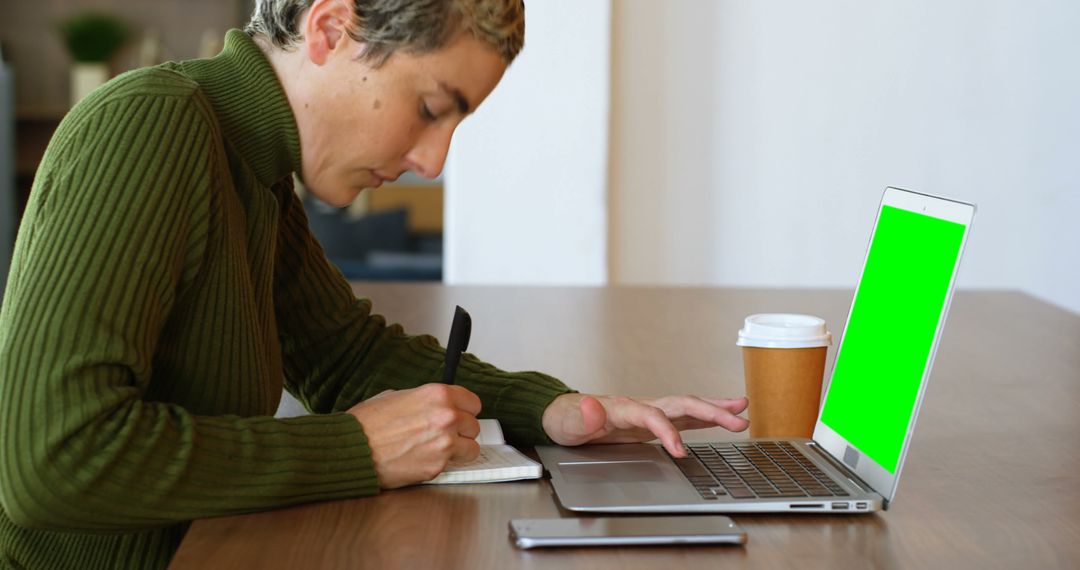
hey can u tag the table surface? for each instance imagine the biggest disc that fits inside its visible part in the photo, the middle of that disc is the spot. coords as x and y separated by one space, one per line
992 478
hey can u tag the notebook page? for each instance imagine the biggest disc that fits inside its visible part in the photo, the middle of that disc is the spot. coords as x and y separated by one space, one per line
490 433
498 462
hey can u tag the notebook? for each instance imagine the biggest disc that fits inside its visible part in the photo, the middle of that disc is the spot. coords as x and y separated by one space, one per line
497 461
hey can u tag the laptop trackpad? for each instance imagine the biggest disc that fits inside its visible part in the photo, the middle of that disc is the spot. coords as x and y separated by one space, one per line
612 472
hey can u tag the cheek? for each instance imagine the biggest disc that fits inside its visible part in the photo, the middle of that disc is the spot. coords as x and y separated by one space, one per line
388 133
341 142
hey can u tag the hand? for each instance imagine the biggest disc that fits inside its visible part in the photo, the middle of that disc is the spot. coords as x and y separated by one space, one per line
414 434
574 419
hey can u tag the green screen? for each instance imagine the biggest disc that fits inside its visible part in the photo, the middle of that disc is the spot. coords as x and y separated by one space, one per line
890 332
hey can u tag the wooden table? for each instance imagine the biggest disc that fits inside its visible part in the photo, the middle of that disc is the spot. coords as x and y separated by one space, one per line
992 479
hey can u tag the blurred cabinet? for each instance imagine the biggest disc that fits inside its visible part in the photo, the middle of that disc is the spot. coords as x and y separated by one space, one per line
7 170
34 126
424 202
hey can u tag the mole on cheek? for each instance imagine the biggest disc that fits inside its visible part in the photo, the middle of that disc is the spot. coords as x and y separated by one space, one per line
377 104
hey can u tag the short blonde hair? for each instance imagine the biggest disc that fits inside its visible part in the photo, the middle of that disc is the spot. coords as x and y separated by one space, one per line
416 26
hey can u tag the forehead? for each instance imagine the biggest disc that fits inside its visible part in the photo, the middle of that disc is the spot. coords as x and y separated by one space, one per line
465 67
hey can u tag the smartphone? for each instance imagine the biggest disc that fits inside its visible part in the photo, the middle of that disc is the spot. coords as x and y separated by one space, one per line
618 531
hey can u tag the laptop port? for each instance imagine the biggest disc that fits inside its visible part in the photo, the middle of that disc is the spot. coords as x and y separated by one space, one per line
861 506
809 506
840 506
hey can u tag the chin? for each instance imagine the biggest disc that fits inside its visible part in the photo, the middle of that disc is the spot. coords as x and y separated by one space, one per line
340 202
336 198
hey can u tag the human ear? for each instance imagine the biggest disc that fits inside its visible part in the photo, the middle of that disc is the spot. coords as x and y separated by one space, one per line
324 28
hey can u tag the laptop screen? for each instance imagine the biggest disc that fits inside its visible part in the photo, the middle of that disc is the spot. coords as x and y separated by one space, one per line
890 332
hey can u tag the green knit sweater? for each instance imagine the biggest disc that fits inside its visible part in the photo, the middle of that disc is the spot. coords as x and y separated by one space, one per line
164 287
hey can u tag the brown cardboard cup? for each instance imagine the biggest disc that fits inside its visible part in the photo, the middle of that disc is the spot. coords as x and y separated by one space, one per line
784 361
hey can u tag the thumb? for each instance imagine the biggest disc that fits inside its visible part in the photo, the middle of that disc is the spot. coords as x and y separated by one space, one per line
593 415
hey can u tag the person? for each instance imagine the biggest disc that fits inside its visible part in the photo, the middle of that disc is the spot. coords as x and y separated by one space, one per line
165 288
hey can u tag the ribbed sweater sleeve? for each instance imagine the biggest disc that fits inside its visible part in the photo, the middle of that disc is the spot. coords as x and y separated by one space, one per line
114 232
337 352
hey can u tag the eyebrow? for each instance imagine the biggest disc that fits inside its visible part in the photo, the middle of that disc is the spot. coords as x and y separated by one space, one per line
462 102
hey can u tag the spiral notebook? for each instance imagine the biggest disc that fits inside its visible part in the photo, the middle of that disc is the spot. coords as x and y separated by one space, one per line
497 461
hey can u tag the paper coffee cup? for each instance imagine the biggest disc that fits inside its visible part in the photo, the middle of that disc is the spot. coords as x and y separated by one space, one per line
784 361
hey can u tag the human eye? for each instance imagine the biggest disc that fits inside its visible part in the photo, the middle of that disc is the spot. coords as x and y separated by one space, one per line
425 112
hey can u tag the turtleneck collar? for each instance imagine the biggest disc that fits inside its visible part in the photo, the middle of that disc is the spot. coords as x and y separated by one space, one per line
251 106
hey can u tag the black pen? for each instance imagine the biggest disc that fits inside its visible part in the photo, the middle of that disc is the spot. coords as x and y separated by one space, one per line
457 344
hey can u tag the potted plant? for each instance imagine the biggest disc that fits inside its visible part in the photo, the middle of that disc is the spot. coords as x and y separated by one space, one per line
92 39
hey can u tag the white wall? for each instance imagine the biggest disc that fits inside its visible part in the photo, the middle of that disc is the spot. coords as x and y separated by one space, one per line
526 178
751 140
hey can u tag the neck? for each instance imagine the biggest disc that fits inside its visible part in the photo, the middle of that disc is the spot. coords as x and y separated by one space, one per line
287 65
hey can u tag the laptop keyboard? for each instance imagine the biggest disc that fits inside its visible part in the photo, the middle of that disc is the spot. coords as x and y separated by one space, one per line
753 470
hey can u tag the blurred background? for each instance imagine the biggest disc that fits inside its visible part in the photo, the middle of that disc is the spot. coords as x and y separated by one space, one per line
391 233
679 142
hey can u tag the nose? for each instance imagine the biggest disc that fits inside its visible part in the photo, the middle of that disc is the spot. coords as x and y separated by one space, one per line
428 156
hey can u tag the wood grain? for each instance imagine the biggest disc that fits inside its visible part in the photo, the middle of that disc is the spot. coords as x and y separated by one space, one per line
991 480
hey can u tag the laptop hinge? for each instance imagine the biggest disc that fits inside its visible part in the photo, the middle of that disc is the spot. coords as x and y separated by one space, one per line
846 471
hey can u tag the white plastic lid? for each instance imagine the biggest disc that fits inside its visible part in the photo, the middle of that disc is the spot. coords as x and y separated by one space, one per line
782 330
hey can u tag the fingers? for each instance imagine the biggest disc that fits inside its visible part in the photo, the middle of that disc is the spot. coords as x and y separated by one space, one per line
593 416
464 450
452 396
462 406
453 422
467 425
733 405
710 411
461 398
661 426
414 433
454 434
656 421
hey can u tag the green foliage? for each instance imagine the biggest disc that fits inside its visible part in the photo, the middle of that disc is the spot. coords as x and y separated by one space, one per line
94 37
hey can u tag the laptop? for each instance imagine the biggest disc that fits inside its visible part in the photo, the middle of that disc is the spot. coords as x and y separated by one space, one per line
864 428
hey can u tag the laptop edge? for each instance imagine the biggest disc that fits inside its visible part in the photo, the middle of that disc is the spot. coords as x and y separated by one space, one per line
632 472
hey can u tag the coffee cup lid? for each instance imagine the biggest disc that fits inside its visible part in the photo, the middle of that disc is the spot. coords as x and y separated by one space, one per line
784 330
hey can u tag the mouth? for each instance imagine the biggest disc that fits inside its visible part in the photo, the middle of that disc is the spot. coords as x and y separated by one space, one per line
381 178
